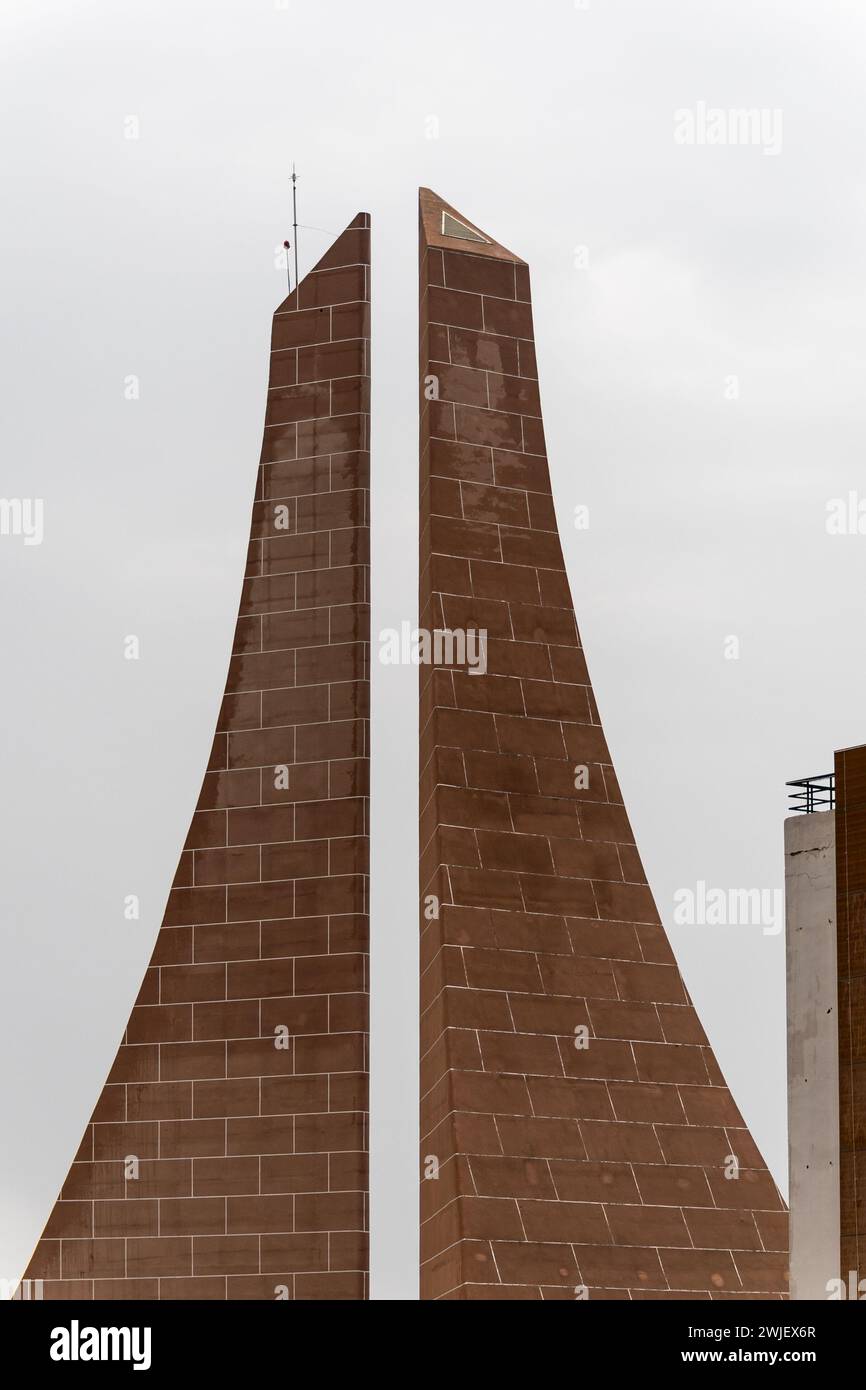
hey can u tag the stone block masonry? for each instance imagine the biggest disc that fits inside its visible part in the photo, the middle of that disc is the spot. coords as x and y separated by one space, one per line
577 1137
226 1157
850 766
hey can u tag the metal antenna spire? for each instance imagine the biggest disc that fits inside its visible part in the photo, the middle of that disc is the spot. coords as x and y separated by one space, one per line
295 216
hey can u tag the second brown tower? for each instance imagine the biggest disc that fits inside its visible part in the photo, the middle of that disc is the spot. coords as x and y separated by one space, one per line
578 1139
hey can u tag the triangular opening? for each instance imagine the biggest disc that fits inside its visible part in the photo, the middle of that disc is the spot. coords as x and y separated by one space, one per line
459 230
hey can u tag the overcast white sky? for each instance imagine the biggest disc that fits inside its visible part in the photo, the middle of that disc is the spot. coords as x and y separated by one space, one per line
154 257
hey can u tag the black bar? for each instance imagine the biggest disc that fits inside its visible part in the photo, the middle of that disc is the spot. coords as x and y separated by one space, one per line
288 1339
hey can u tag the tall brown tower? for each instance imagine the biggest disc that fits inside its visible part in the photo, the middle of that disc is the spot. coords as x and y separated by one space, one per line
226 1156
850 767
578 1135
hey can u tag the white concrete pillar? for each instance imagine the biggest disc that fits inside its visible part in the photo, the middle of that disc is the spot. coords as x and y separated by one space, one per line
813 1052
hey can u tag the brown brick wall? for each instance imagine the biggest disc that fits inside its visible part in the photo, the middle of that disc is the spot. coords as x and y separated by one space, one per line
559 1168
252 1175
851 963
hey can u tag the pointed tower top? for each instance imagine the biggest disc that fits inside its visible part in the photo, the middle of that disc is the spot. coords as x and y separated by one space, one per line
350 248
444 226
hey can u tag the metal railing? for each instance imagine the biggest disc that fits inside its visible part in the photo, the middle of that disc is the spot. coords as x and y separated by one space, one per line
810 794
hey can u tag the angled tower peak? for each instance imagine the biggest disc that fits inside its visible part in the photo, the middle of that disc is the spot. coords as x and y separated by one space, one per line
349 251
443 226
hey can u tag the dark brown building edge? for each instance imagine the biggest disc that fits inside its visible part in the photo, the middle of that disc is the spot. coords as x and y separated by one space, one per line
240 1087
562 1171
851 975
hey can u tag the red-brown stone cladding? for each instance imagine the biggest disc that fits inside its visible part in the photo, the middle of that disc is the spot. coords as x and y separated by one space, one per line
851 958
252 1174
560 1169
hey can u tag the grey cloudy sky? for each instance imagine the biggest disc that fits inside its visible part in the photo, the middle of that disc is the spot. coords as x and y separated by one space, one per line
155 257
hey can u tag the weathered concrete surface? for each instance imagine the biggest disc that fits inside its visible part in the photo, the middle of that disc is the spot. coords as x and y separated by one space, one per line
813 1052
